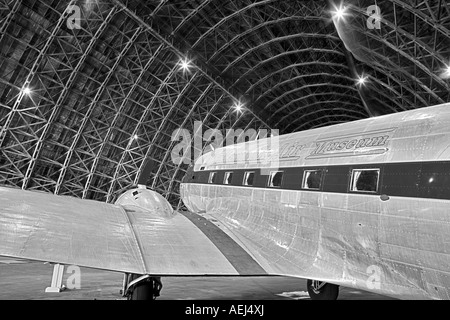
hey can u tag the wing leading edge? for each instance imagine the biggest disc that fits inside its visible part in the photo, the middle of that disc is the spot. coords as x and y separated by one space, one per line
45 227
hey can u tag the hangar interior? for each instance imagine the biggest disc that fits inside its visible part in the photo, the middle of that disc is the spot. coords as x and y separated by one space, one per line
90 89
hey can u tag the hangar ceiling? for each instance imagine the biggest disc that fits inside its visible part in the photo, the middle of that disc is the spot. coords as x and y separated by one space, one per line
83 102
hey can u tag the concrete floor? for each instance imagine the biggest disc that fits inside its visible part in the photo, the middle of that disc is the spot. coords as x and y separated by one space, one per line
25 280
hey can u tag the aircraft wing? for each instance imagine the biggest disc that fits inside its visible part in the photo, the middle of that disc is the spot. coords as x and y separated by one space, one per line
58 229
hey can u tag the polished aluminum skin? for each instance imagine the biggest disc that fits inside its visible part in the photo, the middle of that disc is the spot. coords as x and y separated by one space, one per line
142 235
399 247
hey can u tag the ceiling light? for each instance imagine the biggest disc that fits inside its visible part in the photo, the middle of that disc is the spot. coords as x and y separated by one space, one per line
362 80
446 73
339 12
27 91
185 65
239 106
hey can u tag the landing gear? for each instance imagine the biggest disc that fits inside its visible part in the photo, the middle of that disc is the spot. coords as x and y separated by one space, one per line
319 290
143 287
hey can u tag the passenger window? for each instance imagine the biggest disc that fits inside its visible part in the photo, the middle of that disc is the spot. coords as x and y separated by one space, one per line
212 177
228 178
275 179
248 178
311 179
365 180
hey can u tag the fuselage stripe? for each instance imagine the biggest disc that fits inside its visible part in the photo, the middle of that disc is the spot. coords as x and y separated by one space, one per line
410 179
238 257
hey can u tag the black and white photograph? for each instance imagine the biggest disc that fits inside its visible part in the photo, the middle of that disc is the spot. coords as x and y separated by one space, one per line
224 158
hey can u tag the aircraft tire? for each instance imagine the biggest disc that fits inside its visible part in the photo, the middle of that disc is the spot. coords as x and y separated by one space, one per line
143 291
328 291
149 289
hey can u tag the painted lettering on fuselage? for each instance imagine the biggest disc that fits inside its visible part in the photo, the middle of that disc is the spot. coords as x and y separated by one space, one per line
355 145
291 150
367 143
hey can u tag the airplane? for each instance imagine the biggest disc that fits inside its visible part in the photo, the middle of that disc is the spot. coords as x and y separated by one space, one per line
362 204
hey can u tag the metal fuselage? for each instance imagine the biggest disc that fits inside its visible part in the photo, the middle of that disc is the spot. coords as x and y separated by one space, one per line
393 240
